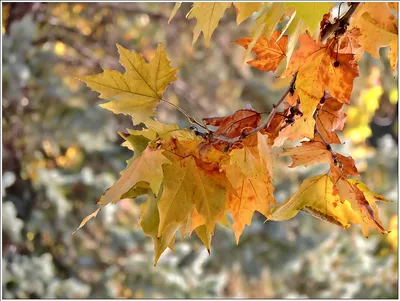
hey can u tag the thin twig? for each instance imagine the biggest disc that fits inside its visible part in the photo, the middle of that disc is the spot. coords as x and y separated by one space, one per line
190 118
266 123
331 28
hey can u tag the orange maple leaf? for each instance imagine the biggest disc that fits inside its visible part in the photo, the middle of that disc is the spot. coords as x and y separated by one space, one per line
330 117
362 201
314 152
270 52
320 67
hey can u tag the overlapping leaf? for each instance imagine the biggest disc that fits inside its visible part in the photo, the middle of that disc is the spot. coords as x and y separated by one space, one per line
321 68
341 206
245 9
193 180
314 152
270 51
378 26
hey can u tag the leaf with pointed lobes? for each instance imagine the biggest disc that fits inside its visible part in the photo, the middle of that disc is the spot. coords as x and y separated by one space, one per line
378 26
87 218
249 171
321 68
270 51
205 236
315 196
314 152
363 203
281 130
207 15
146 168
149 221
266 22
187 185
244 10
139 90
330 118
174 11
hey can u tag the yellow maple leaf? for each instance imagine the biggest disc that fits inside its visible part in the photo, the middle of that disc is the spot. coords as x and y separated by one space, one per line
363 203
245 9
310 13
187 185
315 196
146 168
174 11
150 221
207 15
204 236
139 90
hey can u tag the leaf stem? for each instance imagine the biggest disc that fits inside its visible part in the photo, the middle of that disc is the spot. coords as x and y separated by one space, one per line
191 119
333 27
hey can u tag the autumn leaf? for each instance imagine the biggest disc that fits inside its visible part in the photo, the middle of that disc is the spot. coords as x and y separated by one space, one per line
138 91
186 185
315 196
150 221
249 171
233 125
330 118
310 13
363 203
207 15
270 52
320 67
266 23
319 197
204 236
302 127
146 168
174 11
245 9
314 152
377 24
242 121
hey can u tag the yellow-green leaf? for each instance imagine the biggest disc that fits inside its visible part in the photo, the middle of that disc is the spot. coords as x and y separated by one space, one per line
310 12
138 91
146 168
245 9
315 196
185 185
207 15
204 236
150 221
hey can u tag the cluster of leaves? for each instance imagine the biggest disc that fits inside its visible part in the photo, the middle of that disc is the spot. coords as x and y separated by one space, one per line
194 177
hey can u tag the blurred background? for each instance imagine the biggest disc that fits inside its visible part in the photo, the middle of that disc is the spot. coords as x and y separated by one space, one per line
61 152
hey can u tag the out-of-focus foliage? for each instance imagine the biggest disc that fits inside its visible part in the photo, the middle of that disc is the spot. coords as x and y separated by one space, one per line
61 151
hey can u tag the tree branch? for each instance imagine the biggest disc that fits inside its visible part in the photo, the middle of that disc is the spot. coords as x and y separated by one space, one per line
333 27
266 123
